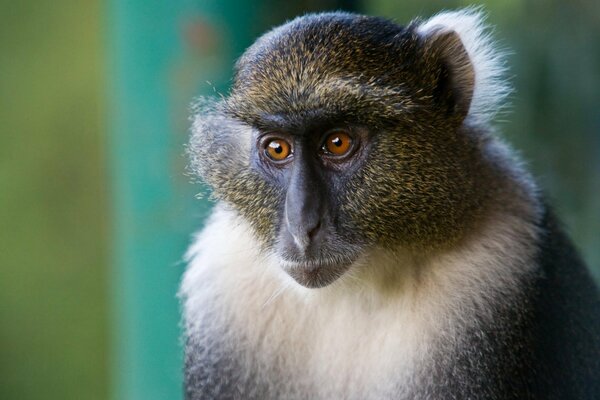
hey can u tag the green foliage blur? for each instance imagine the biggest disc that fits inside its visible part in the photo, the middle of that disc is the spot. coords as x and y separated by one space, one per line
53 201
55 224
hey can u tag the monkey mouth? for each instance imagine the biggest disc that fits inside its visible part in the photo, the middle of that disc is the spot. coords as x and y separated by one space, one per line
316 274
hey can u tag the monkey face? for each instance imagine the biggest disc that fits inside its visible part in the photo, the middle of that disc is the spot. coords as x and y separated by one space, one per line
311 163
342 134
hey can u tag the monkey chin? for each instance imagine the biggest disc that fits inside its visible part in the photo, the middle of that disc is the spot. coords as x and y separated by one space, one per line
314 275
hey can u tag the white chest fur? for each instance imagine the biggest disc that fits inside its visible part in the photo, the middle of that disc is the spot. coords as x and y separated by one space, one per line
381 322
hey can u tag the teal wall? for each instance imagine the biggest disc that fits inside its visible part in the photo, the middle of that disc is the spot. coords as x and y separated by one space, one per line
154 48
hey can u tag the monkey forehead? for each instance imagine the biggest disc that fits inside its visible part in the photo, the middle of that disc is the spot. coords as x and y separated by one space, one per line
327 61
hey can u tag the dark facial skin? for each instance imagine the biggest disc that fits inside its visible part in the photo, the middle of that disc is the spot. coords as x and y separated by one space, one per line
311 165
414 176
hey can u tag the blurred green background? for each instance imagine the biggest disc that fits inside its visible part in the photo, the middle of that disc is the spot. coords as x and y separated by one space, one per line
95 209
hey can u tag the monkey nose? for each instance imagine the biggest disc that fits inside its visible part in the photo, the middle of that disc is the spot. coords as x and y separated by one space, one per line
313 232
304 234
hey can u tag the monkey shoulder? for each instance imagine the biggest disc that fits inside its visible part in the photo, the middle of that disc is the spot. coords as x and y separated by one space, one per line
565 304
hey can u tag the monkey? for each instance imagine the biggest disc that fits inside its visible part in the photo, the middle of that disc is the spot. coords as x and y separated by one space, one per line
373 235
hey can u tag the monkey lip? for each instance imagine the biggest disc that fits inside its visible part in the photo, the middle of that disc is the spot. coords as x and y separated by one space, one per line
315 274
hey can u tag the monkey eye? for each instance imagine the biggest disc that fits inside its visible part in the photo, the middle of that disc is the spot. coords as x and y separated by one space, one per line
337 143
277 149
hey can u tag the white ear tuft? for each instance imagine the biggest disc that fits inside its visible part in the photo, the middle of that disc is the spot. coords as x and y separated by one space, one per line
491 88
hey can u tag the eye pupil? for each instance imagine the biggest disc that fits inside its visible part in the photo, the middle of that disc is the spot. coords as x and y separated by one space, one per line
337 142
278 149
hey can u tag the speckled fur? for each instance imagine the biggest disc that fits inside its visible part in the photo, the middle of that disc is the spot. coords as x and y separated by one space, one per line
455 294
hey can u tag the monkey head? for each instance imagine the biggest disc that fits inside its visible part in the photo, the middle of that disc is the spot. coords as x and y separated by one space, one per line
345 133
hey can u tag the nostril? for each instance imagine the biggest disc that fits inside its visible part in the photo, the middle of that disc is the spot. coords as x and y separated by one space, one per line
314 231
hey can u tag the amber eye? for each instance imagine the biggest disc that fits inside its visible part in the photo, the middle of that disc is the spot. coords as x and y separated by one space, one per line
278 149
338 143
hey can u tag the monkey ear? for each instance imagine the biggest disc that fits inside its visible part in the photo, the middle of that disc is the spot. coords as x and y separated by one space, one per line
454 74
471 68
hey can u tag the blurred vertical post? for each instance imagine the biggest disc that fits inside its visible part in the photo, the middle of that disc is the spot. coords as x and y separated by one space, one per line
162 55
